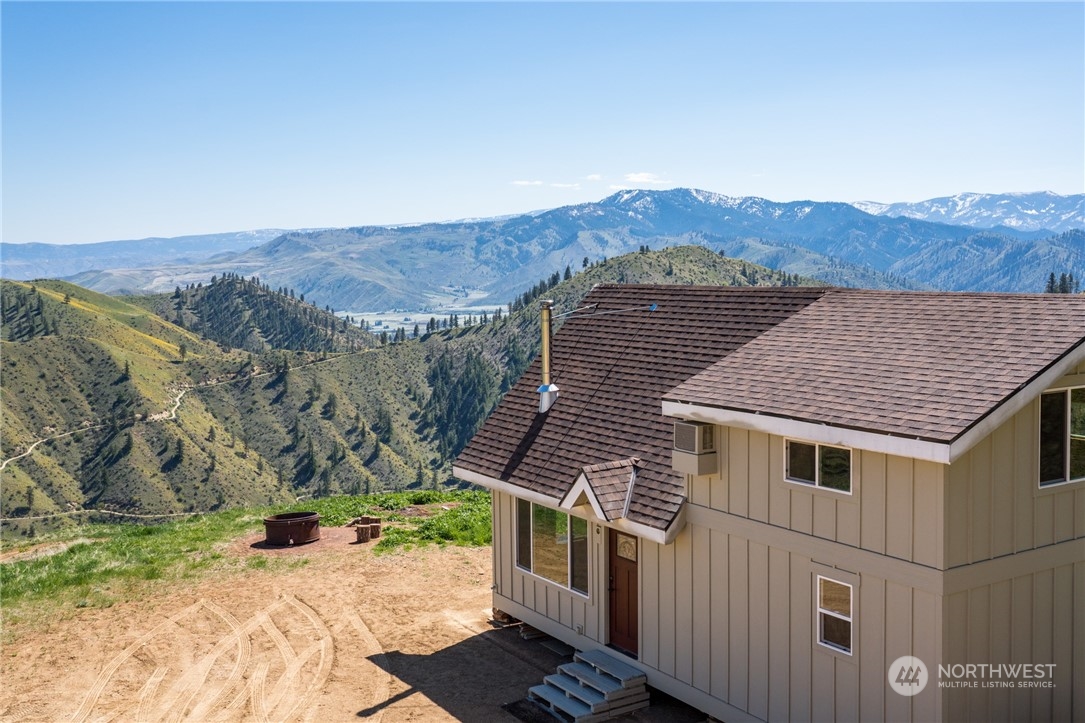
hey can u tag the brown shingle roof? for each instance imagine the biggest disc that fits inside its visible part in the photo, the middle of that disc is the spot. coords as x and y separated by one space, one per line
914 364
613 369
610 483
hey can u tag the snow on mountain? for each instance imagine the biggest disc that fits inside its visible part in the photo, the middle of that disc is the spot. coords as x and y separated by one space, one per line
1022 211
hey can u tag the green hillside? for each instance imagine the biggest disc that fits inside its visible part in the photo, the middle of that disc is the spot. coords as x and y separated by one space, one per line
245 314
268 426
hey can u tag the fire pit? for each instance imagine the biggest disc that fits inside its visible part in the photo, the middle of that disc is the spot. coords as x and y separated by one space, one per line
292 528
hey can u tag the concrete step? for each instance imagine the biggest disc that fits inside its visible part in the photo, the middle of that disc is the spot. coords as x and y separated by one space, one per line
625 674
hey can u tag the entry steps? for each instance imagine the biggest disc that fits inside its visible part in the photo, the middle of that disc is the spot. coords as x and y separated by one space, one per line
594 687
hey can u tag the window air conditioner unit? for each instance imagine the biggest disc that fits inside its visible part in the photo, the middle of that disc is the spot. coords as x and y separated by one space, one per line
694 448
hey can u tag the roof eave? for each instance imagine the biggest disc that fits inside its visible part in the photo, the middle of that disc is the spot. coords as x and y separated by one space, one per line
942 452
638 529
810 431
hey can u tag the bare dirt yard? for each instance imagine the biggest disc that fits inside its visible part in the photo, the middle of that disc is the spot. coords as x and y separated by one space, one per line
348 635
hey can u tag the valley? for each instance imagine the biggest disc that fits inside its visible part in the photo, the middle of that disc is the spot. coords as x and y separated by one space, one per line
234 393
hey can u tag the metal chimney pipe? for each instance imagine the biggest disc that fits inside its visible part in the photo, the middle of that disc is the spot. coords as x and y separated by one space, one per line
548 392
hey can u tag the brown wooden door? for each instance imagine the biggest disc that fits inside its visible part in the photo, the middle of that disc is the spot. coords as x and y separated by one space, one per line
623 591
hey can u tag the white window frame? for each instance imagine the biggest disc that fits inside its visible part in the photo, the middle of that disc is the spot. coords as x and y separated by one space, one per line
1067 438
819 611
568 585
816 484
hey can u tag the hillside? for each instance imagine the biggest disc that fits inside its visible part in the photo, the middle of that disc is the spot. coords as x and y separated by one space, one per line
245 314
263 427
422 266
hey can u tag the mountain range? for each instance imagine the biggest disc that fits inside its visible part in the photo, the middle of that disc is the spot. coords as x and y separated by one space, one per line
237 393
428 265
1023 211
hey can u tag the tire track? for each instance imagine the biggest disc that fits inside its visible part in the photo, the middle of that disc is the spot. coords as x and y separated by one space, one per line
191 697
107 673
373 649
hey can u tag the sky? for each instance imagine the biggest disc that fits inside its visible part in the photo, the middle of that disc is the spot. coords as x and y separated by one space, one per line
127 120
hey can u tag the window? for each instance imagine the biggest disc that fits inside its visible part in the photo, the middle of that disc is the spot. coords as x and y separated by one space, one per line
834 614
819 465
552 545
1062 436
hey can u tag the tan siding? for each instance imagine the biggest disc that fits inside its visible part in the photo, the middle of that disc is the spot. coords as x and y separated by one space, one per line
1043 605
779 494
873 667
956 649
1077 675
872 502
1031 619
1079 513
927 522
979 509
779 627
683 609
759 630
1043 520
993 504
665 609
721 485
1024 467
847 690
738 471
927 644
802 512
898 501
703 631
721 613
802 639
700 489
648 569
759 476
825 516
1001 609
738 684
1002 490
957 538
823 677
978 646
898 642
1021 640
847 517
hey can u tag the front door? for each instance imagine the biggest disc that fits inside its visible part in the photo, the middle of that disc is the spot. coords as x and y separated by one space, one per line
623 591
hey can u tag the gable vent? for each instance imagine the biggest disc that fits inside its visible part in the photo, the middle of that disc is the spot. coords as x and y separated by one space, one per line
694 437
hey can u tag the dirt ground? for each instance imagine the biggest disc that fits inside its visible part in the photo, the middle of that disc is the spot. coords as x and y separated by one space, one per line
350 635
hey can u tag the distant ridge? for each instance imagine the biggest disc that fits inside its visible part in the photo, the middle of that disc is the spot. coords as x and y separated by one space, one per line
425 266
1022 211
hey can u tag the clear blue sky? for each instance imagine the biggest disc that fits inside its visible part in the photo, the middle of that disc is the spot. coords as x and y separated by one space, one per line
127 120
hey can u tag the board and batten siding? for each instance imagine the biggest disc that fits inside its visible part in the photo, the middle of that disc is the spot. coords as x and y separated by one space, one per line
895 508
1035 618
582 616
736 622
994 505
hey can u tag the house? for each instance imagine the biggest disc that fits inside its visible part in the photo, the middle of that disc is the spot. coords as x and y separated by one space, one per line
766 497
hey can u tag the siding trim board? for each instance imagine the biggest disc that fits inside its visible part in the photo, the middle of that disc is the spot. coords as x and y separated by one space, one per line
851 559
